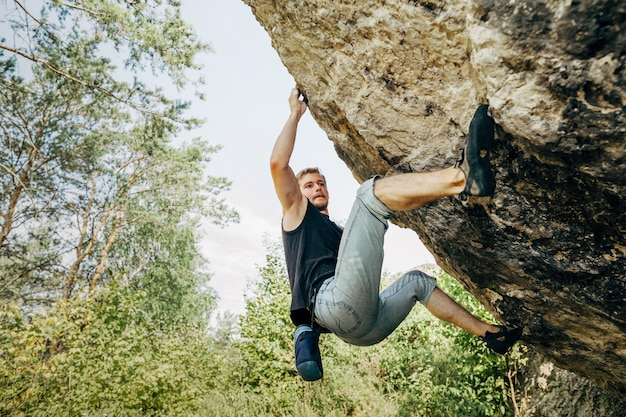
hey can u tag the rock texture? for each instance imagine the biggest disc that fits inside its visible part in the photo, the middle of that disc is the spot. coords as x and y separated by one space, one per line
394 85
544 390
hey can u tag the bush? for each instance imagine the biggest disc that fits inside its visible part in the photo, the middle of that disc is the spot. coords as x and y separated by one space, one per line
102 357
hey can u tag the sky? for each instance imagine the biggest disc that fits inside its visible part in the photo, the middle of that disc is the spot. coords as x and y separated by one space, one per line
247 88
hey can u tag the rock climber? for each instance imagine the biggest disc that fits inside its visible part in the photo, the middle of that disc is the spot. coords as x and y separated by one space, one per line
335 273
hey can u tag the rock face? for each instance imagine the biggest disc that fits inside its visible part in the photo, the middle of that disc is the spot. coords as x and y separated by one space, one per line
395 83
546 391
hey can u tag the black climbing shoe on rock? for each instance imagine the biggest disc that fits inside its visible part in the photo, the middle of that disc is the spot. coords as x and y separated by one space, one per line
502 341
474 160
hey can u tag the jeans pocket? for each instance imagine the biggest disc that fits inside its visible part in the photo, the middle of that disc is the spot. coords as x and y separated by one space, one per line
338 317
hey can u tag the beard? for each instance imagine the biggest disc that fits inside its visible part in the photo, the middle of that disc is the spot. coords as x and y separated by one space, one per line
320 204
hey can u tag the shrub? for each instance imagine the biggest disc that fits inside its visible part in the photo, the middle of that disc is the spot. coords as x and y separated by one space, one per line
102 357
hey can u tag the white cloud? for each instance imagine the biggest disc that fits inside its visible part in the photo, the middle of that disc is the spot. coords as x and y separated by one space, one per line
234 254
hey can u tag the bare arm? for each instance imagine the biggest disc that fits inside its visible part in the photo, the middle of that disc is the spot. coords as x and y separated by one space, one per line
285 182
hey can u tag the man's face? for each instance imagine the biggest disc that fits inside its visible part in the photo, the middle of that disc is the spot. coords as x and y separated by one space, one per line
313 186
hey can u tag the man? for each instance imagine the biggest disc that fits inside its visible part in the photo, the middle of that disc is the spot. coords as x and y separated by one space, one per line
335 274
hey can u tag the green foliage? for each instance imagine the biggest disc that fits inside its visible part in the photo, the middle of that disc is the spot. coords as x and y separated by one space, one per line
102 356
141 35
266 331
112 354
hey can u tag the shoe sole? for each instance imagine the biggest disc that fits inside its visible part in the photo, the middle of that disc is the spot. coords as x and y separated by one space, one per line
480 180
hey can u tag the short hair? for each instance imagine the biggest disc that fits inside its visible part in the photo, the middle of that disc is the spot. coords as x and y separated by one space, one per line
310 170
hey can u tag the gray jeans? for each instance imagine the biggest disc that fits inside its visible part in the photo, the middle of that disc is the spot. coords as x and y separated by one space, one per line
350 304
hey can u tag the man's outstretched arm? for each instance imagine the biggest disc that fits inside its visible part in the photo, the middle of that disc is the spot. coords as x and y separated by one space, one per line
285 181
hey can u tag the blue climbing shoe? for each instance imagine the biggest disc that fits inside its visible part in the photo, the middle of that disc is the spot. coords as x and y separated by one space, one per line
474 159
308 357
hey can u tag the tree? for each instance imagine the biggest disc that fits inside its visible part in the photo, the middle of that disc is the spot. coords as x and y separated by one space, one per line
93 188
102 285
140 34
103 356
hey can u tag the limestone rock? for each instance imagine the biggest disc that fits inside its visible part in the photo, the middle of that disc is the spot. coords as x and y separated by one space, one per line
394 84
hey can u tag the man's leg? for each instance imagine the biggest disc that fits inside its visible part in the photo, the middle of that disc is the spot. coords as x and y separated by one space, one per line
397 300
445 308
348 304
395 303
412 190
498 338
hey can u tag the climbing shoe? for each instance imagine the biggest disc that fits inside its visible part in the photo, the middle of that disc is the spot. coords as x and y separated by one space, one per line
502 341
308 357
474 159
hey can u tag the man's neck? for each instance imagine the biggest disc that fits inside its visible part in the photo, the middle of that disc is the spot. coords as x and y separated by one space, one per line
323 210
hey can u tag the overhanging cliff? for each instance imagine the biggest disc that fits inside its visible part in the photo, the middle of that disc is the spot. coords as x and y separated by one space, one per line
394 85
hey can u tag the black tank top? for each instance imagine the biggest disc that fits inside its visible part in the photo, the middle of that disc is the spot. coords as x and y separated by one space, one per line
311 255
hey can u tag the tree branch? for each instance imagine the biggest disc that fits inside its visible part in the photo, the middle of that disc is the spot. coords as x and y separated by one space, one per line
79 8
41 25
104 256
15 196
70 77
